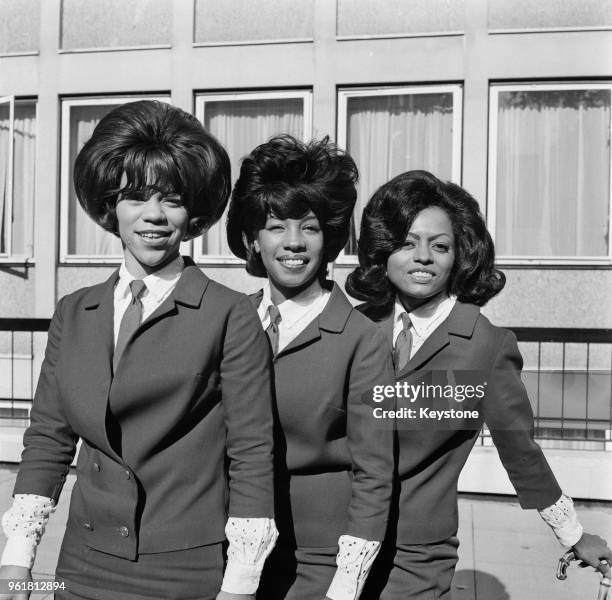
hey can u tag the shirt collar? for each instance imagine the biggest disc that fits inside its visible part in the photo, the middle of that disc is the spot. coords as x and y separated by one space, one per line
293 309
424 316
158 283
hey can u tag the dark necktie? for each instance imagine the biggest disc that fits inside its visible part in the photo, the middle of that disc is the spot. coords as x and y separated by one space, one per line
130 321
403 344
272 329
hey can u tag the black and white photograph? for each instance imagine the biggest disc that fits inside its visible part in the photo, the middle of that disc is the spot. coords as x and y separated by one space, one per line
305 299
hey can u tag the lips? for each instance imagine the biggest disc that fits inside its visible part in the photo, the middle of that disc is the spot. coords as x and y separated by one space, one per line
153 237
293 262
422 276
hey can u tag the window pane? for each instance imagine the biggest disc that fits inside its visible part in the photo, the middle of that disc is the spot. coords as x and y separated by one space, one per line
387 135
115 23
553 173
398 17
252 20
84 236
4 173
241 125
19 25
535 14
24 178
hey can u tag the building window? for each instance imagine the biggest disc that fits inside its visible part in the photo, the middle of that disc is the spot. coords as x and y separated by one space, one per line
549 173
241 122
81 239
17 177
392 130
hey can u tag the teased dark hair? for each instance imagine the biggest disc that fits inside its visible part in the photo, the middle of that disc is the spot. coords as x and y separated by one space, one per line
386 220
155 145
288 178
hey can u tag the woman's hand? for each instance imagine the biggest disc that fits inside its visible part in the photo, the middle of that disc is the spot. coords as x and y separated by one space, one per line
14 573
592 550
227 596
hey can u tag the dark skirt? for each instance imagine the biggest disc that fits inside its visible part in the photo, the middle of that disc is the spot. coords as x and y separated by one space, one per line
418 572
192 574
297 574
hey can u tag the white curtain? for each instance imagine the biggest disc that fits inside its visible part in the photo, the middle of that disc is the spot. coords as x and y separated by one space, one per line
553 173
388 135
241 125
24 178
85 237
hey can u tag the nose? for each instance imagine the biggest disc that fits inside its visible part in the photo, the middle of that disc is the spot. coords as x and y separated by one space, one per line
152 210
422 253
294 239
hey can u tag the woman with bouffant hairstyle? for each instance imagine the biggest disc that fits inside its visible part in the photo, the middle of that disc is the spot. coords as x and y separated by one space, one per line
426 266
288 218
385 221
151 143
164 376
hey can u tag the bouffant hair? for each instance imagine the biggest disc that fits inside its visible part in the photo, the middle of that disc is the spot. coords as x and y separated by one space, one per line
152 145
288 178
387 218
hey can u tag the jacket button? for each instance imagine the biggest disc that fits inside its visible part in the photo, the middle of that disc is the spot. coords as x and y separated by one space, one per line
127 474
95 467
88 526
124 531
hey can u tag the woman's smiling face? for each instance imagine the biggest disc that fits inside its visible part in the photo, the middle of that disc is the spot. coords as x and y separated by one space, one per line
421 268
291 251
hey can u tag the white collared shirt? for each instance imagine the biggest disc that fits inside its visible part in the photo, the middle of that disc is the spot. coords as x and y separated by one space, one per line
159 286
424 319
296 313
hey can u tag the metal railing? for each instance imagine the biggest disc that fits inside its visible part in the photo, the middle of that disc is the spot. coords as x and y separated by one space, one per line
567 373
22 343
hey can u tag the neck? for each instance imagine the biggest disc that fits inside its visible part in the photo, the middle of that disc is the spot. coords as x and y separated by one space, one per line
411 303
279 294
140 271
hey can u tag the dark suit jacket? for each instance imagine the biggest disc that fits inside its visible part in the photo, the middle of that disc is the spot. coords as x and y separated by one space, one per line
193 382
466 349
337 459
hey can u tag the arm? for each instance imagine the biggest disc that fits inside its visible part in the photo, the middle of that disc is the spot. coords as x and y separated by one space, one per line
508 415
510 419
49 442
371 447
247 400
49 446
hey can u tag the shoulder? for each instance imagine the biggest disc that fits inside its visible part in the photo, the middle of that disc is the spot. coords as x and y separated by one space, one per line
373 312
485 328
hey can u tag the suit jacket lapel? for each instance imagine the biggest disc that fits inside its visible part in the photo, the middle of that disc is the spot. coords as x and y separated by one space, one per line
333 319
96 354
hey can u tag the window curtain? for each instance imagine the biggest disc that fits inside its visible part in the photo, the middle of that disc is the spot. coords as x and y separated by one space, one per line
553 173
388 135
85 237
24 178
241 125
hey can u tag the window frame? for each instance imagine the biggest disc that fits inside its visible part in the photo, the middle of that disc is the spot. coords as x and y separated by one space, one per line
8 209
201 98
456 89
10 257
535 260
66 104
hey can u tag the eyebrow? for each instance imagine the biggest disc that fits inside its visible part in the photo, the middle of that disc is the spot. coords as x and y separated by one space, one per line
431 237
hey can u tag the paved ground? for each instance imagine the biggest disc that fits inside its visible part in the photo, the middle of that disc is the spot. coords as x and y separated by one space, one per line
506 553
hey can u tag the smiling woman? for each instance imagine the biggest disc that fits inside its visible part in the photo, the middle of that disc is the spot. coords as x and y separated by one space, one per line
289 217
154 369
